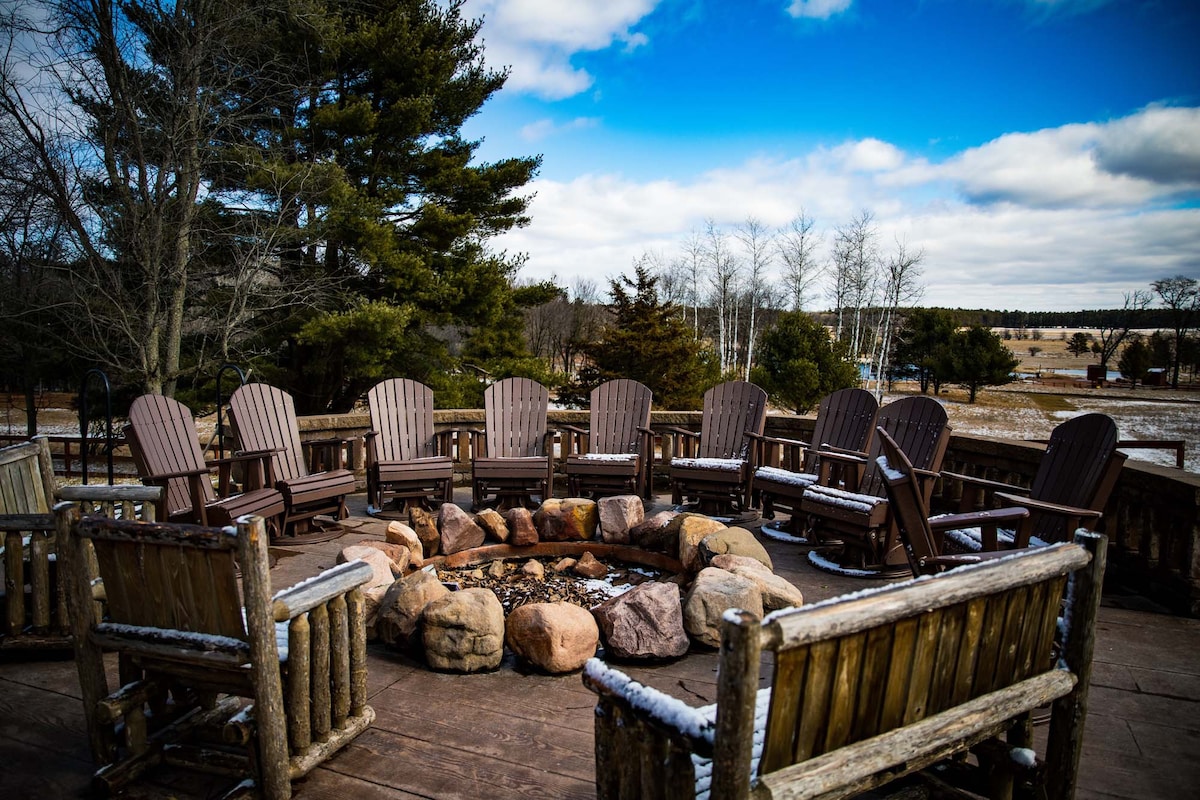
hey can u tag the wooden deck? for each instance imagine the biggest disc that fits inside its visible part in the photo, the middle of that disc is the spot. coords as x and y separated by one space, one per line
508 734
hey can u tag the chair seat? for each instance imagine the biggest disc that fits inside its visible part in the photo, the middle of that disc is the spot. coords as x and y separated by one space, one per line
263 502
529 468
716 464
970 540
784 478
838 505
603 464
420 469
314 488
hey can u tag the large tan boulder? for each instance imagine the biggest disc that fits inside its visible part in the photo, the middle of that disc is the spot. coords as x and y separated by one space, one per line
399 533
645 622
398 554
714 592
692 530
553 637
566 520
776 592
734 541
401 608
493 524
464 631
379 561
617 515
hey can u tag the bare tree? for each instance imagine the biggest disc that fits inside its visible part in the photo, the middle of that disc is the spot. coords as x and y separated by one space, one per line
758 246
856 264
1111 336
693 260
902 273
797 247
1181 295
723 275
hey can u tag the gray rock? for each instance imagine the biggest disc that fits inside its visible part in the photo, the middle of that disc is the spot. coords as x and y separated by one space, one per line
400 609
654 533
459 531
619 514
734 541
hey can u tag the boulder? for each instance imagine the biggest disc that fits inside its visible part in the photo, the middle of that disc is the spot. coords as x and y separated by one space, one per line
567 520
533 569
692 530
520 524
493 524
619 514
653 533
372 600
464 631
459 531
399 533
553 637
424 523
399 555
400 609
776 592
734 541
380 562
645 622
714 592
588 566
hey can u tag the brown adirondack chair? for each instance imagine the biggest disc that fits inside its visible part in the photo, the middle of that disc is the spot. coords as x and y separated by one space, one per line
614 454
165 446
510 458
859 515
190 653
1071 487
264 419
920 534
845 422
406 458
715 465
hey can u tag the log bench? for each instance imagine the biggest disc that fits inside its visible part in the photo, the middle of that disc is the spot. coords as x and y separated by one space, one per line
874 686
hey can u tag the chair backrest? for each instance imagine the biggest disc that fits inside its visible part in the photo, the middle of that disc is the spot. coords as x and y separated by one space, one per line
163 440
731 410
402 412
907 502
27 478
854 668
174 577
919 426
1076 470
618 409
514 411
264 418
846 419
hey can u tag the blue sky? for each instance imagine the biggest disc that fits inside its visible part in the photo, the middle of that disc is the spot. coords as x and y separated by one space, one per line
1044 154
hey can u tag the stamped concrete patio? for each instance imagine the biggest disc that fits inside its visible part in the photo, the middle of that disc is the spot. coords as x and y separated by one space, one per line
510 734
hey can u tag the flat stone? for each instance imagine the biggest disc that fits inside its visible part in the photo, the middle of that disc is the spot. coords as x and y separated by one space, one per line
464 631
735 541
401 556
379 561
645 622
553 637
617 515
714 592
459 531
776 592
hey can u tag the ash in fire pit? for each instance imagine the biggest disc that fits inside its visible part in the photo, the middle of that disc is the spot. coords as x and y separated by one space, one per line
551 580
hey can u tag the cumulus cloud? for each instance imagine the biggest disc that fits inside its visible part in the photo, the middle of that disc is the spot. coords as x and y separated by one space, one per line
537 38
817 9
1071 217
544 128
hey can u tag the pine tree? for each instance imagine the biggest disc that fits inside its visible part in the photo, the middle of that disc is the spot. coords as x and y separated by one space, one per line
976 358
798 364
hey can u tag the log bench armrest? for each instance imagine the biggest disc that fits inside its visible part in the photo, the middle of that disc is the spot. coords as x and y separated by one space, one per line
669 715
306 595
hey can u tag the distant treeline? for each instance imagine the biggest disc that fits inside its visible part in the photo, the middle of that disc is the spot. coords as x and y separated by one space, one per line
1154 318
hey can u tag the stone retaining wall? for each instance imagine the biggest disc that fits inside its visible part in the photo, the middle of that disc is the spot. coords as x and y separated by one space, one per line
1153 517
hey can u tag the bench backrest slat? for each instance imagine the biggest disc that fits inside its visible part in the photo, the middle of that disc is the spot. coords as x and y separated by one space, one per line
26 478
911 659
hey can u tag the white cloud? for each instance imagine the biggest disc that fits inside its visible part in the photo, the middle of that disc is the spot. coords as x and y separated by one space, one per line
817 9
544 128
1038 220
537 38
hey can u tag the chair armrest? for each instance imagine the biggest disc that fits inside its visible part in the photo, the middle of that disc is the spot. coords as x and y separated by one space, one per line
1074 516
307 595
829 448
684 432
255 478
999 486
573 437
949 522
333 445
165 476
670 715
980 492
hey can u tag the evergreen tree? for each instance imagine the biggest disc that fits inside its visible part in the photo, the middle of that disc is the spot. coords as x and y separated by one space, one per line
1079 344
1135 360
648 341
798 363
976 358
924 334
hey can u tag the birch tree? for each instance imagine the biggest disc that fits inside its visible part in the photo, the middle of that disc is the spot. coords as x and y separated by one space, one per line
855 260
723 274
797 246
758 247
902 272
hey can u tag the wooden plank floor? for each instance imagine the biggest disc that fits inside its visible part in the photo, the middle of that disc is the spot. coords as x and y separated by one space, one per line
510 734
